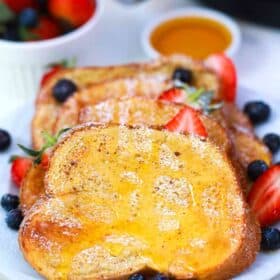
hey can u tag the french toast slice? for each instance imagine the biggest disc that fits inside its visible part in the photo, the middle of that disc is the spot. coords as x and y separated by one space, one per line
132 111
248 147
120 198
32 187
145 85
47 108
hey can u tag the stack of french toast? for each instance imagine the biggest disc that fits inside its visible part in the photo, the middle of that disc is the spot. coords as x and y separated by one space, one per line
149 175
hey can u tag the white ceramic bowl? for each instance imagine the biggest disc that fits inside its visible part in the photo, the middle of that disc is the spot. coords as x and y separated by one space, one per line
229 23
22 64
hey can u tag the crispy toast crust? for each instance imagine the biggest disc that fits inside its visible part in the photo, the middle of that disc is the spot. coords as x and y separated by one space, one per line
44 248
47 108
32 187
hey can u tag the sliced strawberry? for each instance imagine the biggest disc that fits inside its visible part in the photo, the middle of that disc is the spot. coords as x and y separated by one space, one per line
226 71
74 12
46 29
45 161
19 168
176 95
264 197
46 77
187 121
18 5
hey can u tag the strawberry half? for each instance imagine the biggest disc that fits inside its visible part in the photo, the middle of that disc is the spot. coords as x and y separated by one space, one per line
264 197
225 69
19 169
187 121
46 77
45 161
176 95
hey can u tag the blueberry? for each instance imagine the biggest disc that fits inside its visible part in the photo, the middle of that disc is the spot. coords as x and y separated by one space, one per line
136 276
5 140
160 277
63 89
257 111
256 168
11 33
9 201
28 18
272 141
270 239
183 75
14 219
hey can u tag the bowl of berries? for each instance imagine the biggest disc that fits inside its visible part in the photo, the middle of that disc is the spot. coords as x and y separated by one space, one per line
37 33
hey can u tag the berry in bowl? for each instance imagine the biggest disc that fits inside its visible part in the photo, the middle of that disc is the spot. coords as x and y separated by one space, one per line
37 33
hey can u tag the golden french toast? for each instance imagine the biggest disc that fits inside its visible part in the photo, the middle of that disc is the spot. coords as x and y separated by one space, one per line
47 107
122 199
145 85
240 130
32 187
132 111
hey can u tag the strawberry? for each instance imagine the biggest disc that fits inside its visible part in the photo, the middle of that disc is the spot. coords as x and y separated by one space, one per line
176 95
45 161
226 71
18 5
187 121
75 12
46 29
56 67
264 197
49 74
19 168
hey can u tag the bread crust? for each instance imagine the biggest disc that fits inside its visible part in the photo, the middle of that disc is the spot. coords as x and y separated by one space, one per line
234 264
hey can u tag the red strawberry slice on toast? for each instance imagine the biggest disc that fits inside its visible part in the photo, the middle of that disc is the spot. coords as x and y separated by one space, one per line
225 69
176 95
264 197
187 121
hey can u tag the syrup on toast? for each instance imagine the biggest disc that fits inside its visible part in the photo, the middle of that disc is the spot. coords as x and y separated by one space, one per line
47 108
132 111
119 199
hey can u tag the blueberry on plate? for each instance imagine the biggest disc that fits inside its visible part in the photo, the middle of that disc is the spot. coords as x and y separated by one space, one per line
28 18
63 89
160 276
14 219
5 140
183 75
256 168
272 141
270 239
257 111
136 276
9 201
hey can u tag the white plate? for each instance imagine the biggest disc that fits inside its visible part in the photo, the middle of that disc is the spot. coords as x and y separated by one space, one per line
13 265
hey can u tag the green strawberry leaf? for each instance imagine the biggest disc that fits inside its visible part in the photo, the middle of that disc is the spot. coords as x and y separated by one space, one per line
62 131
65 63
49 141
6 14
29 152
13 158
